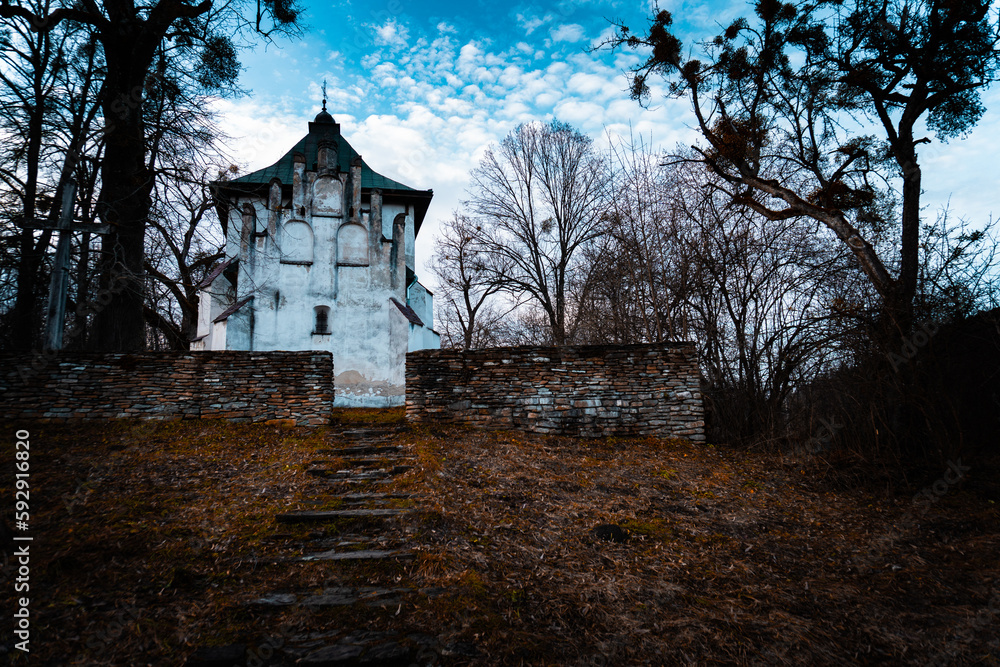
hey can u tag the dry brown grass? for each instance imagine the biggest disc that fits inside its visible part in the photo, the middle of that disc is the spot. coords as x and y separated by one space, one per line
150 538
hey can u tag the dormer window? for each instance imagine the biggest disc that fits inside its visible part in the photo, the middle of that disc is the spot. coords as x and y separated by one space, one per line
322 321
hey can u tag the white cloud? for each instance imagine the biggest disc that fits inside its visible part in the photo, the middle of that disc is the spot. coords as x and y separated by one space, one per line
572 32
531 23
391 34
588 85
511 76
547 100
258 133
423 108
958 174
468 57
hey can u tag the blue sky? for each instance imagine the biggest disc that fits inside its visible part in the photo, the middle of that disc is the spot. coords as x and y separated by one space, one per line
422 89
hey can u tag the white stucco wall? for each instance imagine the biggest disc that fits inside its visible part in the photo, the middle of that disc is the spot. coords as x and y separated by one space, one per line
422 338
320 256
212 302
420 300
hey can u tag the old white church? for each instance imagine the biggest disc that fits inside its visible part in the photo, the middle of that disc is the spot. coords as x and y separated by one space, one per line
320 256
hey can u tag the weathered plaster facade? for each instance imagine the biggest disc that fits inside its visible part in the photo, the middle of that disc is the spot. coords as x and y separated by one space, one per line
320 256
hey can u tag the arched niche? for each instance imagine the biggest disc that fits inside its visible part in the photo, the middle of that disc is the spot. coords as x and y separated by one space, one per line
352 245
328 196
296 243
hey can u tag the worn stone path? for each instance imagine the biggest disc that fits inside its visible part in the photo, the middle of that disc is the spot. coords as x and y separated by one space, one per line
353 471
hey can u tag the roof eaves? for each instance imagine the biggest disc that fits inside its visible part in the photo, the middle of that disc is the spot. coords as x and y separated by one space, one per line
232 309
210 278
408 312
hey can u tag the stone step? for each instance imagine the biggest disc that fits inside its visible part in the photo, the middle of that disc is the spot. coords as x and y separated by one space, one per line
362 497
364 554
365 480
371 502
365 464
340 544
360 466
380 461
361 450
330 515
331 597
384 649
364 437
370 474
356 432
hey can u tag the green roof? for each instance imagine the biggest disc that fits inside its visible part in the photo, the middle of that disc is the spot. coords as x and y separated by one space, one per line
307 145
319 129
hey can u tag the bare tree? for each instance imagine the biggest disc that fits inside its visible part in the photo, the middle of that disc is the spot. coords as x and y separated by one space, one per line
180 251
49 86
467 289
761 306
758 296
639 274
541 197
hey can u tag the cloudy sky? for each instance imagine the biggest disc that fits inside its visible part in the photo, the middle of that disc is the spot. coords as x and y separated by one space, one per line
421 90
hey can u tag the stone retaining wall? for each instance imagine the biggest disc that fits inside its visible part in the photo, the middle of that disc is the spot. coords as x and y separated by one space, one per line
241 386
587 390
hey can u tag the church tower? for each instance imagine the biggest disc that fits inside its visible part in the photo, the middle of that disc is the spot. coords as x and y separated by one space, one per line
320 256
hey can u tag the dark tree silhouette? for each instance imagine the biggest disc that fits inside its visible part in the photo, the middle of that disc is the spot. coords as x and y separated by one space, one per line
136 38
776 96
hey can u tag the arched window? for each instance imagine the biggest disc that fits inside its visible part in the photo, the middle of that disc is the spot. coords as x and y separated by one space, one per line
322 320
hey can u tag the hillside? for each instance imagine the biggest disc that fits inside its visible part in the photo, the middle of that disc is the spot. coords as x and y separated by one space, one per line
154 542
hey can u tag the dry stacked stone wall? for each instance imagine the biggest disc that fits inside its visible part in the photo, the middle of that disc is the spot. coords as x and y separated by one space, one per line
591 390
241 386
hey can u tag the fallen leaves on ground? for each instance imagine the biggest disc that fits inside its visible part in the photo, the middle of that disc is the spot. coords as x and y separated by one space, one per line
151 538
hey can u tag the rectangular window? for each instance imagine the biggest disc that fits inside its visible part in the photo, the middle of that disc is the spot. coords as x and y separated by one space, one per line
322 320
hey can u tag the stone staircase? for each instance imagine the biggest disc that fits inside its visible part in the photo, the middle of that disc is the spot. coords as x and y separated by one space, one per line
356 469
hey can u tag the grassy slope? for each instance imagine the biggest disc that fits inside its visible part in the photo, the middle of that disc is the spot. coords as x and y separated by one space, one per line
151 537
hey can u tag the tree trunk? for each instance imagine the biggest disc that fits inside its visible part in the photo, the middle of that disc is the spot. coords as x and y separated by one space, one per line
558 330
124 203
909 245
82 285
